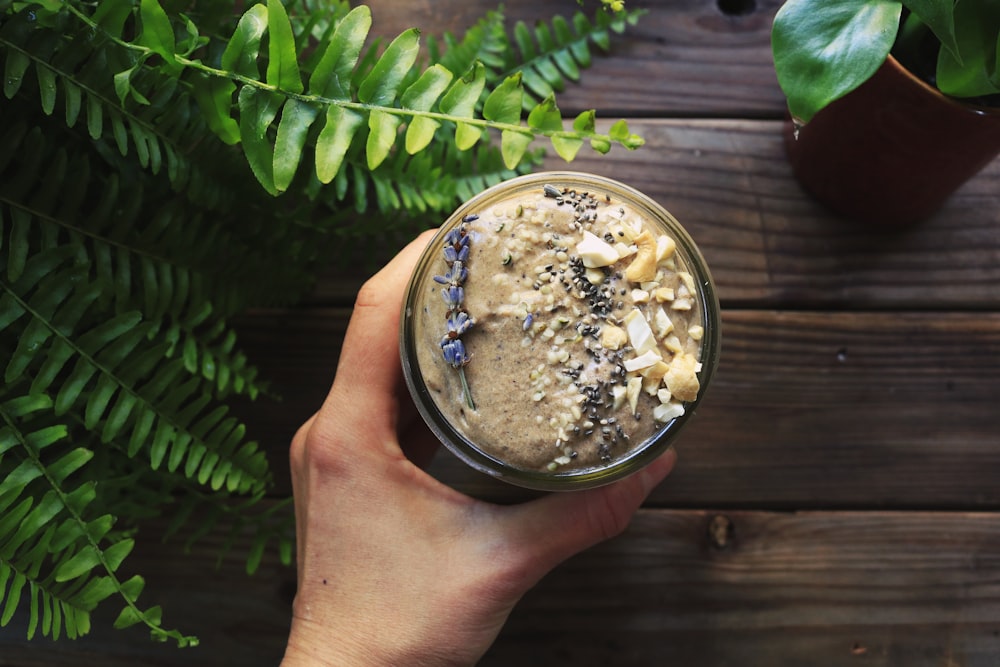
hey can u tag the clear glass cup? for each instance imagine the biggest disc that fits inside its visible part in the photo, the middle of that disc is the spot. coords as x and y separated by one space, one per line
519 342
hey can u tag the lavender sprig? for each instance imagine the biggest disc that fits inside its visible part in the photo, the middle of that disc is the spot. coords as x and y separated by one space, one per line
458 320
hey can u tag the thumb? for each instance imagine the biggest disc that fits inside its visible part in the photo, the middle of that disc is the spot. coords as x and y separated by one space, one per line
549 530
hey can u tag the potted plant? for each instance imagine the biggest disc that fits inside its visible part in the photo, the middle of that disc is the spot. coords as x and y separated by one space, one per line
893 105
164 166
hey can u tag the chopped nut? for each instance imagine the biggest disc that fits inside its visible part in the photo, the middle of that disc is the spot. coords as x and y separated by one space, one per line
662 322
665 247
667 411
639 332
643 267
681 379
612 337
663 294
595 252
632 390
644 360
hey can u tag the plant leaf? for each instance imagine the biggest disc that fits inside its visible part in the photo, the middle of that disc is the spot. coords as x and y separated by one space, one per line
379 88
334 141
332 75
157 33
824 50
240 55
258 109
460 100
503 105
381 136
296 118
421 96
940 18
282 64
975 72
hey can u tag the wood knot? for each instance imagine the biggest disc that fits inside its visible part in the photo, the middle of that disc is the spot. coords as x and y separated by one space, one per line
720 531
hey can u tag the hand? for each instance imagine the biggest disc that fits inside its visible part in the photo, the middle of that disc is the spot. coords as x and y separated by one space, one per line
394 567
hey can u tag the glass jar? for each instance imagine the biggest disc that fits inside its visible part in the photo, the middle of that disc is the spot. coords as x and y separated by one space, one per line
559 331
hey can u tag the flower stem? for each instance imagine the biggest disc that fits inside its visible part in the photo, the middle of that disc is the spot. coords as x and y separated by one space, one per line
465 388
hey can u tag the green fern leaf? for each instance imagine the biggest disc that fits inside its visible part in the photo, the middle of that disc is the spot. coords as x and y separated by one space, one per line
421 96
296 118
258 110
157 34
282 64
335 140
331 76
243 47
461 100
380 86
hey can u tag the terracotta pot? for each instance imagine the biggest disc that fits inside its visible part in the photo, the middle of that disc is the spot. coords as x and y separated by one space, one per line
893 150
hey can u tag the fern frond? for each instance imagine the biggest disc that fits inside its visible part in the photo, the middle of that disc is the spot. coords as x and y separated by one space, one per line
121 385
137 111
175 291
551 53
278 117
55 551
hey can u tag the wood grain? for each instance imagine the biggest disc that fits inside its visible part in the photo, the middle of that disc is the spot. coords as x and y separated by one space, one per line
689 587
808 409
683 58
770 245
784 590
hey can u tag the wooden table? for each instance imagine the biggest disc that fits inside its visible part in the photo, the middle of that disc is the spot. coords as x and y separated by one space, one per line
836 497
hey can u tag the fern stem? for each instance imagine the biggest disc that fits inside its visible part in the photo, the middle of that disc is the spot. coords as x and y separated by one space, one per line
91 542
319 100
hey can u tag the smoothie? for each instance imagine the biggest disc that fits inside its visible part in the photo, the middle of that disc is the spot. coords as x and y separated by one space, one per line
559 329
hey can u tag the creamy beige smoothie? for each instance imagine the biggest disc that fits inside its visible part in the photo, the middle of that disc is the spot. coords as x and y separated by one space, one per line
575 322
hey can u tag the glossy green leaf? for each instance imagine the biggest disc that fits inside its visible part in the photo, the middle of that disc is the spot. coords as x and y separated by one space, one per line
421 96
293 129
513 144
157 32
381 85
240 55
111 16
382 128
824 50
332 76
13 72
282 64
69 464
940 18
334 141
460 101
503 104
20 476
545 117
215 100
46 87
258 109
975 72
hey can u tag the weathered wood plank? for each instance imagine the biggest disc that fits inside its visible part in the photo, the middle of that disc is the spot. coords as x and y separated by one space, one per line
808 409
703 60
769 589
769 245
787 589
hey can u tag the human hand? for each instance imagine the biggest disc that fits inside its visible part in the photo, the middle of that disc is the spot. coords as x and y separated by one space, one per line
394 567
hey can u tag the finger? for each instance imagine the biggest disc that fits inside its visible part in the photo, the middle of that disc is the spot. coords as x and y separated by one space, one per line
368 374
553 528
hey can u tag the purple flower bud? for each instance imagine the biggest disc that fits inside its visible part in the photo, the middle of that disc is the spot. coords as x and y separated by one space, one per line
454 353
453 296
